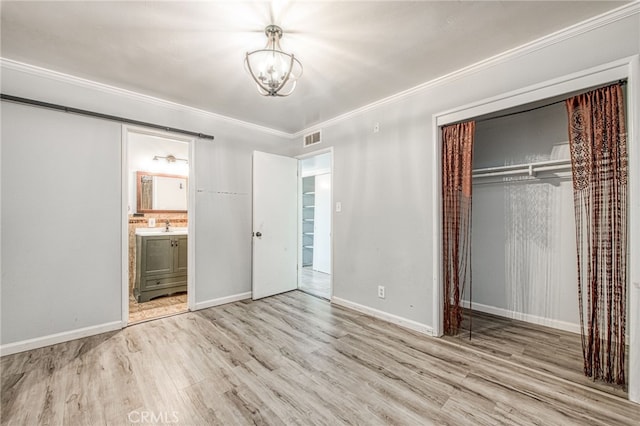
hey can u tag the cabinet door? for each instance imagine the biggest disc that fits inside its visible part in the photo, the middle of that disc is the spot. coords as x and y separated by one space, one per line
157 255
180 253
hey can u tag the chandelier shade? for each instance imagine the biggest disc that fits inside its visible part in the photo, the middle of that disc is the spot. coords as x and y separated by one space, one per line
275 72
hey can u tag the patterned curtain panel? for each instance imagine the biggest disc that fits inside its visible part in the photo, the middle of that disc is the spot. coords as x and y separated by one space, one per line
597 138
457 155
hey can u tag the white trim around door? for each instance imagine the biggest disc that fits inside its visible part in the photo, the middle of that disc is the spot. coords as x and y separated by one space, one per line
332 198
126 130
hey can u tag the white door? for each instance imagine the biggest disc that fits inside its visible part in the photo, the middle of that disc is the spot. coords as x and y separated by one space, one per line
275 206
322 224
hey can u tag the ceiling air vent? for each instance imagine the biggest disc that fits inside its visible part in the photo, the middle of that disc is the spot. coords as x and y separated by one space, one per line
312 138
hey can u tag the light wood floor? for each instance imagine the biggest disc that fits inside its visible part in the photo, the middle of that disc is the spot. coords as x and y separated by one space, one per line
288 359
315 282
548 350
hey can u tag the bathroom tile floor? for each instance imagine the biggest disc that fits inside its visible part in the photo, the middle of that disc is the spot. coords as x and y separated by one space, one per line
156 308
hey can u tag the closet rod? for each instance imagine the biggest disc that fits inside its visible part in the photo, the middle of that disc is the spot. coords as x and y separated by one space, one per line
520 166
71 110
518 169
480 120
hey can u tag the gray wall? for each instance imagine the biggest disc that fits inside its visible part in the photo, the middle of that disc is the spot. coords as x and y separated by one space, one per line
61 204
61 227
524 251
383 236
223 211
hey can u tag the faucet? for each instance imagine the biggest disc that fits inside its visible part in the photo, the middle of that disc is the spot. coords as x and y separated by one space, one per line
166 225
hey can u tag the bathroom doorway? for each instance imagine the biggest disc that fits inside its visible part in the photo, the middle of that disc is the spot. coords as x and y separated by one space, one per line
157 192
315 225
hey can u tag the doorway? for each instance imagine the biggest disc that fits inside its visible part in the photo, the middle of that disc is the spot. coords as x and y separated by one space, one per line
281 199
156 176
315 195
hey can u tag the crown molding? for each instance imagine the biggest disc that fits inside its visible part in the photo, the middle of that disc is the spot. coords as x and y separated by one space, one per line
590 24
113 90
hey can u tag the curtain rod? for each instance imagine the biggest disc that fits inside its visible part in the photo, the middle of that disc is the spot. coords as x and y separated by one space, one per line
71 110
619 82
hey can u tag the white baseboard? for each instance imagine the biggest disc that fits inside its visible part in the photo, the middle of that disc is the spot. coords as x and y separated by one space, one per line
222 300
52 339
534 319
385 316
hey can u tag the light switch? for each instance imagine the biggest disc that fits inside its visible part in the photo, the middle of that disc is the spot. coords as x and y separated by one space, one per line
338 207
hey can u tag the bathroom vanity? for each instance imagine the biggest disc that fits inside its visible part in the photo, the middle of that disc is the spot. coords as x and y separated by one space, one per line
161 263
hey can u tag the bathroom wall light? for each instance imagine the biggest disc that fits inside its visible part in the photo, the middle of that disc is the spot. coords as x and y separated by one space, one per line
170 158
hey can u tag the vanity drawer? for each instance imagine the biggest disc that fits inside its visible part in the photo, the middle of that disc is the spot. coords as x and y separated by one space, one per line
161 282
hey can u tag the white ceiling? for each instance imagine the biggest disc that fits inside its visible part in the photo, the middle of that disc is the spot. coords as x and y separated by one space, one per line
354 53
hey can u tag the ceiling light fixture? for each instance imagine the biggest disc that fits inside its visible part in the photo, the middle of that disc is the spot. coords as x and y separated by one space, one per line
274 71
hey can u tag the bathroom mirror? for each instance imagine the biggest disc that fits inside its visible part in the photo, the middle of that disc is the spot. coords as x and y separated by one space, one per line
158 192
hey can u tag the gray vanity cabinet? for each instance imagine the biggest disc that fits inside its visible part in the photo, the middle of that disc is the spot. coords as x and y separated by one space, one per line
161 266
180 254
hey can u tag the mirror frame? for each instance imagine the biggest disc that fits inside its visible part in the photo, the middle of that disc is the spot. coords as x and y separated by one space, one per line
139 175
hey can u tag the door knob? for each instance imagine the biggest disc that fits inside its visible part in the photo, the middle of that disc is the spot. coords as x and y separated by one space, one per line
258 234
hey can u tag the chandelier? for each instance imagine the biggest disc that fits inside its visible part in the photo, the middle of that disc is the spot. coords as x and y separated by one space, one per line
274 71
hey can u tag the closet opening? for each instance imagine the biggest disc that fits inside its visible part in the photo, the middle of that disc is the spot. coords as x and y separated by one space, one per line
157 169
523 304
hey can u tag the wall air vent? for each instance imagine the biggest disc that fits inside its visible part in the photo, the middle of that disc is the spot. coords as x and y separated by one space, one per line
312 138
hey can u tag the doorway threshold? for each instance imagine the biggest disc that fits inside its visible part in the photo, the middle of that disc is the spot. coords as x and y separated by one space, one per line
160 307
326 299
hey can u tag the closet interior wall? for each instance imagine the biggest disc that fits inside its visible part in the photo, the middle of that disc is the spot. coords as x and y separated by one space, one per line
523 233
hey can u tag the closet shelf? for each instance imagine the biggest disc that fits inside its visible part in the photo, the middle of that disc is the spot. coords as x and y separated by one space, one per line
308 233
529 169
308 193
308 247
308 207
307 220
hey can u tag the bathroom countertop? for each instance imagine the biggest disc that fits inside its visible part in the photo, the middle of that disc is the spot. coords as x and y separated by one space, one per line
161 231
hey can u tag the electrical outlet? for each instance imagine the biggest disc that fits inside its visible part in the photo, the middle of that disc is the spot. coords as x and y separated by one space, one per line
381 291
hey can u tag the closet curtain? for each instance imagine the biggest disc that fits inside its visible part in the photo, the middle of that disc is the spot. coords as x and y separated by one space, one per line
597 139
457 155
